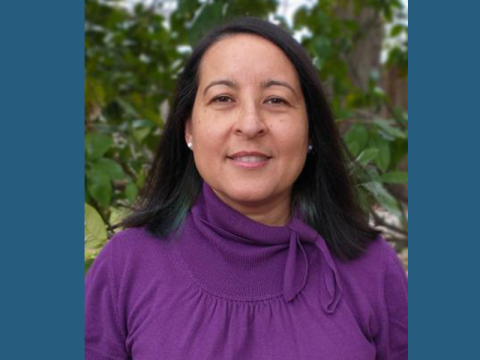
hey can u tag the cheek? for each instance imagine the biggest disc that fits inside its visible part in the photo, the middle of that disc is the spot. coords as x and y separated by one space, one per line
295 159
294 145
208 135
293 137
201 126
209 138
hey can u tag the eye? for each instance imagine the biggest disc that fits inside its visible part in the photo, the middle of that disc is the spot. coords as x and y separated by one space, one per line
276 101
222 99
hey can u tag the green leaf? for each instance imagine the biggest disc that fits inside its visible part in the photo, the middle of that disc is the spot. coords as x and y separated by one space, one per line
383 197
131 192
372 174
142 128
87 196
94 92
141 178
383 158
109 167
96 145
188 6
357 134
322 45
353 147
95 231
141 133
301 17
397 30
208 14
395 177
400 115
398 152
99 187
117 214
367 155
127 107
386 126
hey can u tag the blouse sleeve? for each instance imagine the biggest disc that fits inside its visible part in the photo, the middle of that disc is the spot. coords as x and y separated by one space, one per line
392 342
104 337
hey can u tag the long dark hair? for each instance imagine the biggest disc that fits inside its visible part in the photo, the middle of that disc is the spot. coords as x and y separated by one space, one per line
324 192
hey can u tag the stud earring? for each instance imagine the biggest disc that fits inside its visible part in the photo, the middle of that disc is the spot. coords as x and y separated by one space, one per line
190 145
310 148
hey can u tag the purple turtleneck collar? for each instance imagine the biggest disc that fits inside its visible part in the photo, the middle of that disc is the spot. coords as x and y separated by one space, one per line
234 257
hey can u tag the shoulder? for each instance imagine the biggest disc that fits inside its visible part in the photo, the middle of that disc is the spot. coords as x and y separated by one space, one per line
371 274
375 287
133 237
389 265
378 258
134 251
134 241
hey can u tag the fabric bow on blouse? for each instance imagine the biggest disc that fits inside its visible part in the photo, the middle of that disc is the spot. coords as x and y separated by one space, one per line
256 261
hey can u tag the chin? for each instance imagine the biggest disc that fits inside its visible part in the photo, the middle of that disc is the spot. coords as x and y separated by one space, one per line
247 193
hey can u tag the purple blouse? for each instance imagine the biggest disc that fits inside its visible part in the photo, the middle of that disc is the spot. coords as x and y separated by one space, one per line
227 287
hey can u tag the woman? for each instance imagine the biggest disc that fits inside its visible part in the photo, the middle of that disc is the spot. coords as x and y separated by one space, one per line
247 242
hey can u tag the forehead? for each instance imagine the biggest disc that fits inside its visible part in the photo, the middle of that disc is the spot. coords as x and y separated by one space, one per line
246 57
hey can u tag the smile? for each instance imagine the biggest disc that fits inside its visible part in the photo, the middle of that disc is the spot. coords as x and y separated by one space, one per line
249 160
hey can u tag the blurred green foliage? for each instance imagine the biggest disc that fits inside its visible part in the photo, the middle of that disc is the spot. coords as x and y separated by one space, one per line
132 60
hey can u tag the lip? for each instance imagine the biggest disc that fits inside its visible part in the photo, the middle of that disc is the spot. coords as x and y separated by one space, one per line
234 158
248 153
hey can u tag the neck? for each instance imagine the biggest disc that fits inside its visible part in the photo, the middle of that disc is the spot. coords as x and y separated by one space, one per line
275 212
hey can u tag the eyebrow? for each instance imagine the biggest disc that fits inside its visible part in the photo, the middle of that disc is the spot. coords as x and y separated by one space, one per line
272 82
265 84
225 82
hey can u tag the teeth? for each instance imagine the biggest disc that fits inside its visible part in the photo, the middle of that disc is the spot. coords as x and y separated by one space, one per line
250 158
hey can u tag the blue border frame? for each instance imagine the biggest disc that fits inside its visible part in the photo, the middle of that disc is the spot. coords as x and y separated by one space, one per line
444 186
42 179
41 147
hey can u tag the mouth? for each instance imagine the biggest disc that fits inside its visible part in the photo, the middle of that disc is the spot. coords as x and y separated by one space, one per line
249 160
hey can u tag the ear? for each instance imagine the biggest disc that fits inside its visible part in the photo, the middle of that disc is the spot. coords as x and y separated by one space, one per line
188 130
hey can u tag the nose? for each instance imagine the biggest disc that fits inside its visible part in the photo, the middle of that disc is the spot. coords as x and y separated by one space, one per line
250 122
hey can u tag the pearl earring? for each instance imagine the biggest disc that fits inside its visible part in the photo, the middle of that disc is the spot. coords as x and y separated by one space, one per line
310 148
190 145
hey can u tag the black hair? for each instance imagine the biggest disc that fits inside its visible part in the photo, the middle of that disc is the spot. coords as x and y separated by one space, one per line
324 192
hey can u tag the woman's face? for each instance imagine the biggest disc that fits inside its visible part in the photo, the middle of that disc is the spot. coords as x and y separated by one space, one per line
249 128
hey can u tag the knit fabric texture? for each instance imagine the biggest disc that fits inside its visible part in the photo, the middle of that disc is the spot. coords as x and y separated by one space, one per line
227 287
